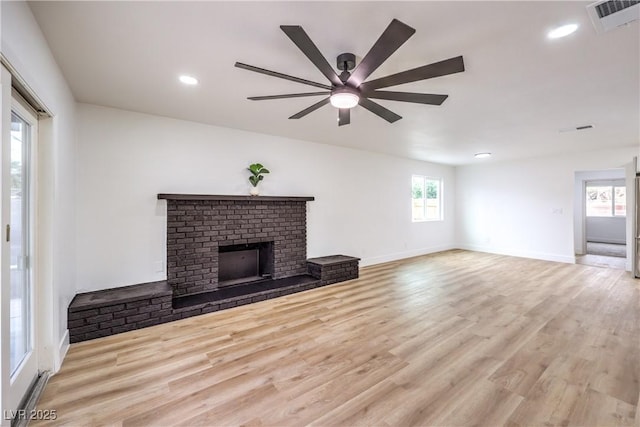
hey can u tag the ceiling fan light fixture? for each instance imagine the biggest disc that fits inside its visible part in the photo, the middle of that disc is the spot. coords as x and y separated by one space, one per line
344 97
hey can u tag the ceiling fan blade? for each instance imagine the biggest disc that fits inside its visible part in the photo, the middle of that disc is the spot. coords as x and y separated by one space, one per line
280 75
304 43
391 39
418 98
308 110
289 95
344 116
437 69
379 110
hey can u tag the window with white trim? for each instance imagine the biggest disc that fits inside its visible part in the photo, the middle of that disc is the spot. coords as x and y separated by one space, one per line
426 198
606 199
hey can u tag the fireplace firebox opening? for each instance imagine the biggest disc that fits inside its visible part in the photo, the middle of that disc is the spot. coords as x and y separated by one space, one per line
244 263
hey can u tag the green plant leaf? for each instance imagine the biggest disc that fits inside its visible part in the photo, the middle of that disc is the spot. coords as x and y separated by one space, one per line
256 170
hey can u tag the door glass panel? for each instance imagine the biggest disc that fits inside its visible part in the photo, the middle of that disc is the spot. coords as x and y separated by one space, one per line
20 304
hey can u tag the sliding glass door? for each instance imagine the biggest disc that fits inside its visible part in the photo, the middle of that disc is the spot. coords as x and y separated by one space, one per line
18 232
17 236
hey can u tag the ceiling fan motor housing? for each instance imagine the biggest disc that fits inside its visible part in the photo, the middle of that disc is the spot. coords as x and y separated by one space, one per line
346 61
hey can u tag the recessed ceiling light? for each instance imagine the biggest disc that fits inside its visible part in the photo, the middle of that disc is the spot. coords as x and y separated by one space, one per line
188 80
482 155
562 31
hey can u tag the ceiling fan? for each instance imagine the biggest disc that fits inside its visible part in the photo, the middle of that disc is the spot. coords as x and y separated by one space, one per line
350 89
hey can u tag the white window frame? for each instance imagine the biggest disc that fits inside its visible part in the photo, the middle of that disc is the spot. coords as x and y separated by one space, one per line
440 198
607 183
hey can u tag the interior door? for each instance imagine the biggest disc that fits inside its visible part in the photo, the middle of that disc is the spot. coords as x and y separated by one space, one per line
17 252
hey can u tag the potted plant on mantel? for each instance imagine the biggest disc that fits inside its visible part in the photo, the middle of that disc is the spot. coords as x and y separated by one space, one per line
257 171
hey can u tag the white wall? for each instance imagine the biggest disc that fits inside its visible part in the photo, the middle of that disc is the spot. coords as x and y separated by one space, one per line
606 230
362 205
24 46
525 207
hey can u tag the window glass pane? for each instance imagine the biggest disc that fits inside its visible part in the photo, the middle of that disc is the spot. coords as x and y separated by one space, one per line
433 209
599 200
620 201
432 188
417 209
433 199
417 187
417 198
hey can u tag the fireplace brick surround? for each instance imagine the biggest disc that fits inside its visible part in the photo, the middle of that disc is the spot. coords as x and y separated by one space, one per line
197 226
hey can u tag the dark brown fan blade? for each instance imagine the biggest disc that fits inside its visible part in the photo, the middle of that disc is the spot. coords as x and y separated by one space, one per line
379 110
304 43
308 110
437 69
280 75
290 95
418 98
344 116
391 39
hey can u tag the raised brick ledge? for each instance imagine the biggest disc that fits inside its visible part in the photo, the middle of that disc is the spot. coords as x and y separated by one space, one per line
164 196
333 269
109 297
333 259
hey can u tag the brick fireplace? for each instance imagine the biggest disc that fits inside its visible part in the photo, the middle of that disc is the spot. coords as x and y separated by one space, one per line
222 252
202 230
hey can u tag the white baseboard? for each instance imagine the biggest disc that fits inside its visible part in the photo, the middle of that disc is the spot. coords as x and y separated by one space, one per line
604 240
522 254
404 254
63 347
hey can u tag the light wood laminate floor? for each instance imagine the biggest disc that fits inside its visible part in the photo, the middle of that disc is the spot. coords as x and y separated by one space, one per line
455 338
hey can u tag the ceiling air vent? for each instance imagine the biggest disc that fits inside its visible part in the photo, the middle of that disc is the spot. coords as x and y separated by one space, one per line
573 129
608 15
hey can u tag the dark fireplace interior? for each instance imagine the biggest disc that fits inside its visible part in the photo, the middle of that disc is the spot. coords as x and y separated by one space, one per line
244 263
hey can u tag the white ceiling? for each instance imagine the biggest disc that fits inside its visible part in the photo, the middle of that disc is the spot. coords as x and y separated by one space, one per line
518 90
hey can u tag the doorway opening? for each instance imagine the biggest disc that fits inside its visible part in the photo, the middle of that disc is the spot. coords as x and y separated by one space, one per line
601 237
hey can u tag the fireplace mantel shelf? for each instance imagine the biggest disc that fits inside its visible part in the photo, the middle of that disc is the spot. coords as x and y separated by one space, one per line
164 196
